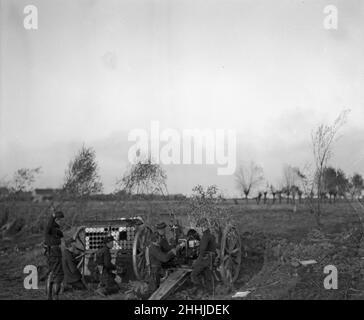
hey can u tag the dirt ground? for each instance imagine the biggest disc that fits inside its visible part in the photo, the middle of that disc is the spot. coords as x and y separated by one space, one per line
274 240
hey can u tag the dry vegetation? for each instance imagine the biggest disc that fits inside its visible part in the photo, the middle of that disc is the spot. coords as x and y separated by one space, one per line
273 238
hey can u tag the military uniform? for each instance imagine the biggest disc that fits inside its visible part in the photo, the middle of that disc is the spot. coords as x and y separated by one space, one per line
156 258
164 244
52 241
72 276
204 260
108 284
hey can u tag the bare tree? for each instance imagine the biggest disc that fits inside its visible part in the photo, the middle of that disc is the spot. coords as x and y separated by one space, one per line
307 182
273 191
206 203
259 197
279 193
265 193
144 178
300 194
248 177
22 182
322 140
82 178
23 179
290 178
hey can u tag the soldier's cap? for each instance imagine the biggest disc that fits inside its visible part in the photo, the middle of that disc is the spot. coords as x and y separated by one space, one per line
108 239
160 225
69 242
58 215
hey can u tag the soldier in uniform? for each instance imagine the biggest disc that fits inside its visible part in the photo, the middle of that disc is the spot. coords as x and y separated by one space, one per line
52 241
201 268
72 276
156 257
164 245
107 284
163 242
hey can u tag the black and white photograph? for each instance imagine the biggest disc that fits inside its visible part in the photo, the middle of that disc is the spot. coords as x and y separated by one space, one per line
182 150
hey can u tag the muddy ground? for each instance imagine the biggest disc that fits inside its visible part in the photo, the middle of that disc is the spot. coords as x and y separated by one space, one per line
274 241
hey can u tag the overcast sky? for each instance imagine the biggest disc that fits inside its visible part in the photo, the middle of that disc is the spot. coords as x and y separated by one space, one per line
94 70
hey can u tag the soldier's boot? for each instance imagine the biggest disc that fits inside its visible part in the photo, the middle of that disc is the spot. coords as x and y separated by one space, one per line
56 290
49 289
209 282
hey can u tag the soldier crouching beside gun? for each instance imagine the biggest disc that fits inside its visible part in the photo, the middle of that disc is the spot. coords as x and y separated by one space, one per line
163 242
72 276
201 273
107 284
157 257
52 241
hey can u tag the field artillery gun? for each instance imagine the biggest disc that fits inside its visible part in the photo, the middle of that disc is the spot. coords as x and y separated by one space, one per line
89 239
225 268
131 245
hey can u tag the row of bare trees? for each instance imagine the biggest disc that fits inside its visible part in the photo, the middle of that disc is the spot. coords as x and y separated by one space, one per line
250 181
316 181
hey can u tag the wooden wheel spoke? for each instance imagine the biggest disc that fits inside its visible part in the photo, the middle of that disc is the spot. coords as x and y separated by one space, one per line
225 258
227 244
141 241
234 251
140 262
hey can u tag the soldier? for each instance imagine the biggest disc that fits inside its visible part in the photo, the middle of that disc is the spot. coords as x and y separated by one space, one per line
201 267
164 245
72 276
52 241
156 258
163 242
107 284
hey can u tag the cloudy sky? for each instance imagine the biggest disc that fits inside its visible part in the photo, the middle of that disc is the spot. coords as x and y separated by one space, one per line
94 70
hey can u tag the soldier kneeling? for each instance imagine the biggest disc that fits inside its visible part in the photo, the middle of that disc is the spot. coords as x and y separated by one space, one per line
107 284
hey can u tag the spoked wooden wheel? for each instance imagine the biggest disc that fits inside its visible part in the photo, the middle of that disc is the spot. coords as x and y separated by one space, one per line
80 238
140 244
230 255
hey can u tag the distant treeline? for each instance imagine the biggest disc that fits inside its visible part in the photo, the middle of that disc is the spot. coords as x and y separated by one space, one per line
39 195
